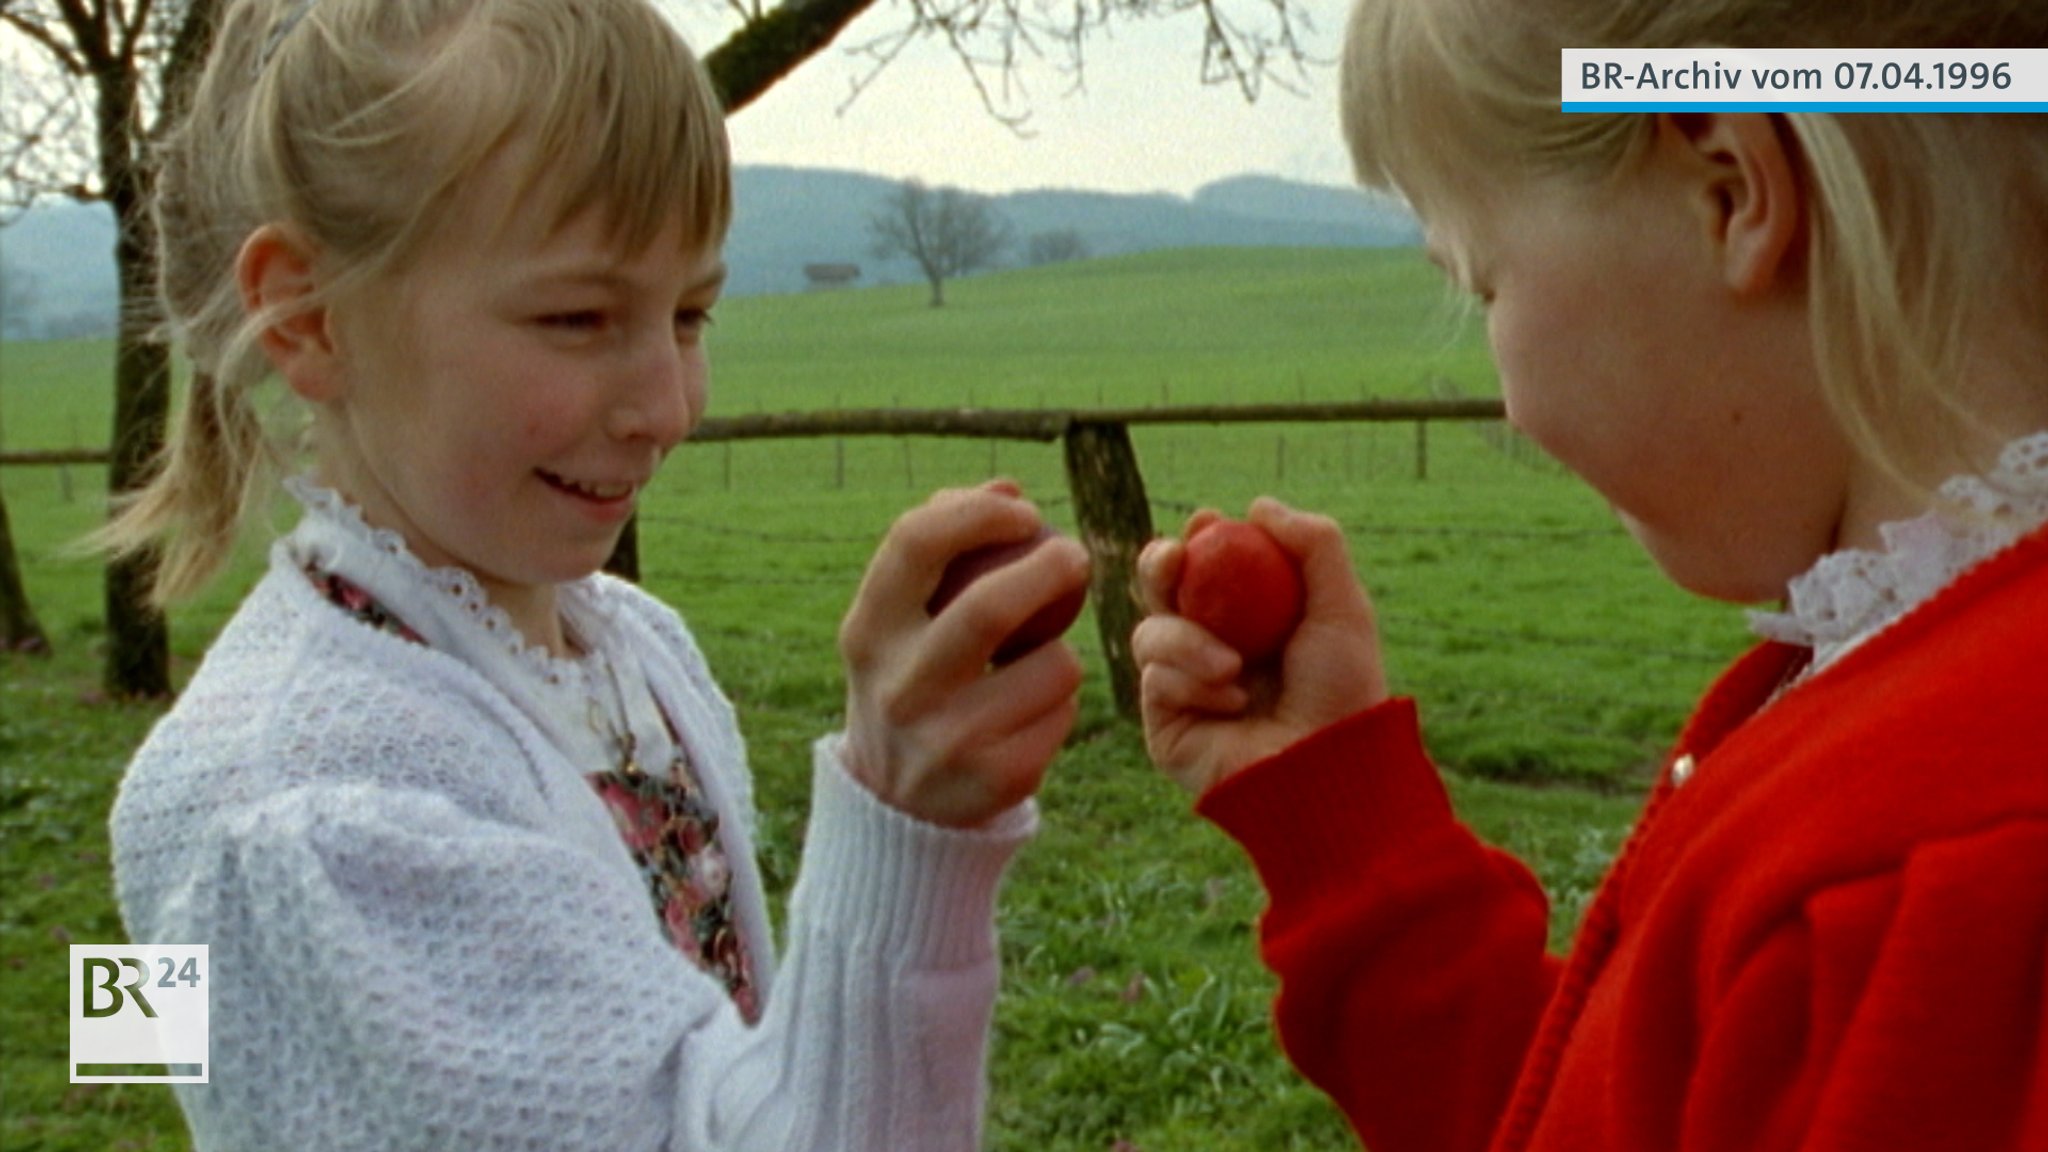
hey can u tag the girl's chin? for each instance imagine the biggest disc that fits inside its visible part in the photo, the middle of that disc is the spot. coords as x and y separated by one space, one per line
1706 571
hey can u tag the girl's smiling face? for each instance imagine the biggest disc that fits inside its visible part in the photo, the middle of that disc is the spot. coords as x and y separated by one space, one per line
506 400
1624 350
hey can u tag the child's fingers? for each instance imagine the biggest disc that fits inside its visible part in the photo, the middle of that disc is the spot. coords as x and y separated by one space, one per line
1168 691
992 742
1180 643
1199 519
909 563
1011 697
1317 544
1016 697
1001 602
921 542
1009 766
1159 562
1159 565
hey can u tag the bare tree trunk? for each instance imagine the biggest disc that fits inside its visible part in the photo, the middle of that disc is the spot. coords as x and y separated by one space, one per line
19 630
138 661
138 641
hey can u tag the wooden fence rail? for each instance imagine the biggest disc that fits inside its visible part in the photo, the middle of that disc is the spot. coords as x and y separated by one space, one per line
1110 505
54 456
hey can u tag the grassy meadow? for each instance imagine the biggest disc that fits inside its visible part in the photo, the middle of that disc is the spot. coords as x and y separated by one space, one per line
1551 662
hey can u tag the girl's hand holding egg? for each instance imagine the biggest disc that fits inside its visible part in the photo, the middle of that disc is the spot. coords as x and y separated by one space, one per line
1260 634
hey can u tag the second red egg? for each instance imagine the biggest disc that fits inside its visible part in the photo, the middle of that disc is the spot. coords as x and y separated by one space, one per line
1238 583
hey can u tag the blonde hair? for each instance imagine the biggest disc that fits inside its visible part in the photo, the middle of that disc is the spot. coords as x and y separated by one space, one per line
1926 230
358 125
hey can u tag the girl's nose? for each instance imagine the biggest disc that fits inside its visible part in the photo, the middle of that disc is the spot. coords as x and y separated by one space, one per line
661 397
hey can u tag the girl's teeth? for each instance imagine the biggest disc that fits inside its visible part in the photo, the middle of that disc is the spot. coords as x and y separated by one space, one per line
596 491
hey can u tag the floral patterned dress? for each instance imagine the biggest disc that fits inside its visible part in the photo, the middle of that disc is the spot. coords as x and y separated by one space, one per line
667 824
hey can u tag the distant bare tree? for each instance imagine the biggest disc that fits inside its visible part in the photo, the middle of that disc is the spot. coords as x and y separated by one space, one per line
1055 247
946 231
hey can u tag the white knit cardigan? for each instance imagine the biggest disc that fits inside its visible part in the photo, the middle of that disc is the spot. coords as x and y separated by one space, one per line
426 932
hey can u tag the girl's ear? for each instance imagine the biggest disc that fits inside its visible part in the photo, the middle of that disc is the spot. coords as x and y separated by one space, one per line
275 273
1746 172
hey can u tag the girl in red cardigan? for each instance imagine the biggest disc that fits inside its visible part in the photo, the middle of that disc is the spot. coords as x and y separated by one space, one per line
1801 354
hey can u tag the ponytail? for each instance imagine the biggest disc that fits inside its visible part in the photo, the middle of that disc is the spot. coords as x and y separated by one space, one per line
211 476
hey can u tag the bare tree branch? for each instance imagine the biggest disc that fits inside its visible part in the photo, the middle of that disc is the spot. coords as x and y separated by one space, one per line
883 50
995 39
133 27
88 26
1244 43
45 137
38 30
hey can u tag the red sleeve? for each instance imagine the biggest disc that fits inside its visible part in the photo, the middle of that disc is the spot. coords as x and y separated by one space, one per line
1902 1009
1411 956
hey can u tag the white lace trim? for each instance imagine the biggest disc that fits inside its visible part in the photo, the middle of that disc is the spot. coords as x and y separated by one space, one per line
583 700
1853 594
456 586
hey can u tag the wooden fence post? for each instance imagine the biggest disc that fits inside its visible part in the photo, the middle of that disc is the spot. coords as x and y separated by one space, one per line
1115 521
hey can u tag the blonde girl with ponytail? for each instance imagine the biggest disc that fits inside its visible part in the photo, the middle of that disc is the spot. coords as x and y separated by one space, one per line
467 824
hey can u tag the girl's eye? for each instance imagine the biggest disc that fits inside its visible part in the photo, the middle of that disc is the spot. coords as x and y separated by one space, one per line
586 320
692 321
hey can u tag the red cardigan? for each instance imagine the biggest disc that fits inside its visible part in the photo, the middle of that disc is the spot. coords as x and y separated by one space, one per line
1828 931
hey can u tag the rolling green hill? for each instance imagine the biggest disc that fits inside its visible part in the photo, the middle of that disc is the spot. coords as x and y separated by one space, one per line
1190 326
1200 325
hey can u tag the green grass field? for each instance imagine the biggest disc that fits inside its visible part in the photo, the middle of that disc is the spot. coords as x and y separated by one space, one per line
1551 662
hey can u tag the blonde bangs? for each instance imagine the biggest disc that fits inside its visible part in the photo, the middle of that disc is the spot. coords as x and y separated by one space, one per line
609 108
1398 104
1443 101
624 119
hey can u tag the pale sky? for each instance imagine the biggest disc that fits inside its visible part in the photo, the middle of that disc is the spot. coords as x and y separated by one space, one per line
1144 123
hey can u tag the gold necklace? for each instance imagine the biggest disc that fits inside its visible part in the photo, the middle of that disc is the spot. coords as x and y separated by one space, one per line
620 731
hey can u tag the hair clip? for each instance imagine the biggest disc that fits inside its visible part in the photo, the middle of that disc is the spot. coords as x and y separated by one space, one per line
280 30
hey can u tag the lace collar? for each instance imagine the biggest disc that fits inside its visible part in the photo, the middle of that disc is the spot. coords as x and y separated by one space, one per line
582 703
1851 595
334 530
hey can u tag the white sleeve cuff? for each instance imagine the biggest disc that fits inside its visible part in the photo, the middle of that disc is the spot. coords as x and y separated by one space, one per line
880 877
